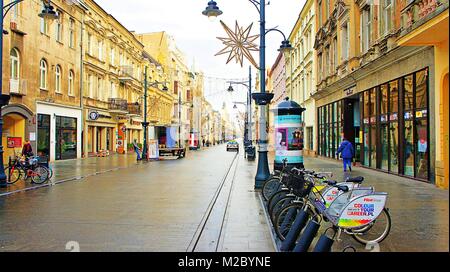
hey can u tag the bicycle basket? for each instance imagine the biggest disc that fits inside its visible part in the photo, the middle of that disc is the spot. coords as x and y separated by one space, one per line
300 186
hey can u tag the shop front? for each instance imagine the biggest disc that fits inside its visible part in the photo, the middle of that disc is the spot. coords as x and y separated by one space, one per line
134 131
389 125
58 131
100 130
18 127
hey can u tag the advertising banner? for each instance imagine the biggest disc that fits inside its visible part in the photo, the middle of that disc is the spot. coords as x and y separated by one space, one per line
288 139
153 150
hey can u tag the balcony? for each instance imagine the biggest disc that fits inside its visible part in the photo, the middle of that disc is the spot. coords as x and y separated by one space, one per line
126 73
134 109
18 87
118 105
424 22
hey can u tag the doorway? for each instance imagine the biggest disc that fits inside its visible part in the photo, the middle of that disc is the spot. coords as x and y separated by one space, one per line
352 123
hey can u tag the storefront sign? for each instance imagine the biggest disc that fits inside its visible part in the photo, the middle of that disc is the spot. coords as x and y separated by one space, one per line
14 142
93 115
350 91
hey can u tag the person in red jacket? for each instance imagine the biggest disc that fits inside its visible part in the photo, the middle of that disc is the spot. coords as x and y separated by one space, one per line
27 150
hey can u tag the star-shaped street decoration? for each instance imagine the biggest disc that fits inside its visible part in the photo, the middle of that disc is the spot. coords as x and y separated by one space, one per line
239 44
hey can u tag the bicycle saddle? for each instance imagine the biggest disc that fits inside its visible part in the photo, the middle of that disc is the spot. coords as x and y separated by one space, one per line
319 176
355 180
342 188
331 182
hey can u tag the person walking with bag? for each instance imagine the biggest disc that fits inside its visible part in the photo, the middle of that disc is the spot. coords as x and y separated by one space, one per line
137 149
347 154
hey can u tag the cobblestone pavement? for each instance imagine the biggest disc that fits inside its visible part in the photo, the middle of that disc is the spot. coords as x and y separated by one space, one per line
419 211
146 207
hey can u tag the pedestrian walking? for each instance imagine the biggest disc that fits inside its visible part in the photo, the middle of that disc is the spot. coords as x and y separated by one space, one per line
203 141
27 150
347 154
137 149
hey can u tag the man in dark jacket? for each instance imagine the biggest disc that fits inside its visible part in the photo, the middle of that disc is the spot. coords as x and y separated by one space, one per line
347 153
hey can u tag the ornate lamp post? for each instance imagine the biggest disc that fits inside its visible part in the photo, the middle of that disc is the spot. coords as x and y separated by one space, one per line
145 124
47 13
262 98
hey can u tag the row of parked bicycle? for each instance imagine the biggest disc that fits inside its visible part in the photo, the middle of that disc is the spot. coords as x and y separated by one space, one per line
23 168
300 201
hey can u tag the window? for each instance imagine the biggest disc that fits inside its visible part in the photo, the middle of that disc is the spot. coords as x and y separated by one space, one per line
71 33
70 86
112 56
15 64
113 93
366 28
58 79
99 93
43 74
100 50
44 23
14 11
319 72
344 42
89 45
91 86
320 13
59 26
335 55
385 21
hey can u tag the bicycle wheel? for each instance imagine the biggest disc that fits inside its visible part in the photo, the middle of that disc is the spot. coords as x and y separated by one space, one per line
283 202
40 175
274 199
13 174
270 187
286 217
376 231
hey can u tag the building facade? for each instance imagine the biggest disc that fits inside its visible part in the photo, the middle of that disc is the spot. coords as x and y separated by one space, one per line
425 24
43 80
373 92
301 72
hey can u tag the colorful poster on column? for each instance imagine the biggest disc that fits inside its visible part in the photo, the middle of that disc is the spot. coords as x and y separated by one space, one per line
288 139
121 139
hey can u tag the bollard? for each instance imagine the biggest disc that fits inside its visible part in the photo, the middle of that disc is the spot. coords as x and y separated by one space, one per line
307 237
299 223
325 243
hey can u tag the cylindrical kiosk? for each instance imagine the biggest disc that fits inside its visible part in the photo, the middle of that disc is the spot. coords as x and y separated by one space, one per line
288 134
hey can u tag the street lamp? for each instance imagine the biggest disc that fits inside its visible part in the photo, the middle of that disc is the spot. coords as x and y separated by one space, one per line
46 13
145 123
262 98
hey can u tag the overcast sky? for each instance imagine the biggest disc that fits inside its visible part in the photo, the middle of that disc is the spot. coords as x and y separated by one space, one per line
196 36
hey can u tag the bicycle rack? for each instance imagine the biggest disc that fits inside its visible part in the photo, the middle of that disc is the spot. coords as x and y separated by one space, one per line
308 236
325 243
298 225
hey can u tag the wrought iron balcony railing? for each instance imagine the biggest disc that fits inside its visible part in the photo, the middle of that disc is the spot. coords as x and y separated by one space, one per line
118 105
134 108
418 12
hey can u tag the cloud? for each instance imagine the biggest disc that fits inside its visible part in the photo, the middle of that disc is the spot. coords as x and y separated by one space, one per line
196 36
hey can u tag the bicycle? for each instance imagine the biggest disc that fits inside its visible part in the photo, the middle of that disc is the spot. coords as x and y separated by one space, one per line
28 168
355 211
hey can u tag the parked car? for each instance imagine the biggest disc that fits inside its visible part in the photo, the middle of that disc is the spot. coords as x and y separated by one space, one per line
233 145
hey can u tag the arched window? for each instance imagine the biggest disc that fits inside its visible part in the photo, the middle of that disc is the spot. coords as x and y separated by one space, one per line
15 64
70 88
58 79
43 74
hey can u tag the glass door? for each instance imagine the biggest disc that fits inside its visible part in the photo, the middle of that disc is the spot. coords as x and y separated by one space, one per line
43 137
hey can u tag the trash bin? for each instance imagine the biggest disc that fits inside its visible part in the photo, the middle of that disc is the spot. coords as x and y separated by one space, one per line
289 134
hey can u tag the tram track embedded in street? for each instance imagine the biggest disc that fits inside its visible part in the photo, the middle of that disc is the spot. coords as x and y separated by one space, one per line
208 235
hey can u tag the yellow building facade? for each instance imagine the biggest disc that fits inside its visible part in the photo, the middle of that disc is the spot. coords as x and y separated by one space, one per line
376 93
425 23
41 73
